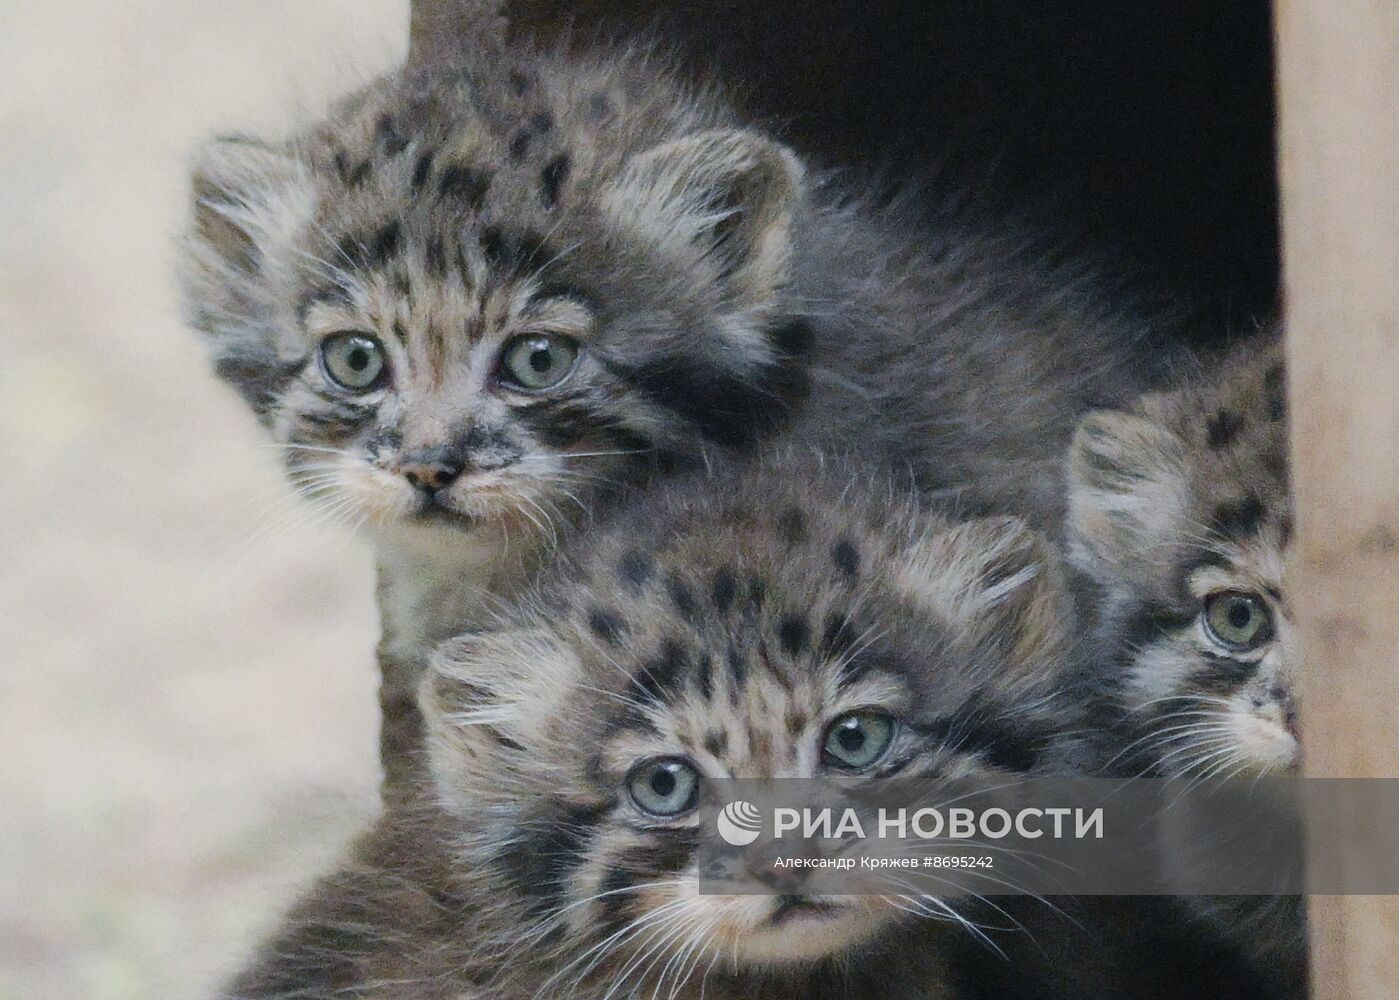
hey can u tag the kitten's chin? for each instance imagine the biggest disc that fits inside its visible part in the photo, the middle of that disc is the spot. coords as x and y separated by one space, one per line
789 931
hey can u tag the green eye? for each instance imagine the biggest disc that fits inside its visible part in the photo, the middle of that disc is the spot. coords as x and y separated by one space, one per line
1237 621
538 361
858 740
665 787
353 361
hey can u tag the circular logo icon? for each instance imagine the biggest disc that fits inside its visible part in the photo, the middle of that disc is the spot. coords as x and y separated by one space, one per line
740 823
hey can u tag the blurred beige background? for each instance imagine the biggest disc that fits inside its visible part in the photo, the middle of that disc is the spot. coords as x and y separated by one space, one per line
187 716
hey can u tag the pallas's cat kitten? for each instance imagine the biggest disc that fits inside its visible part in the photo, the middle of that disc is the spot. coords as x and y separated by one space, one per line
1180 513
476 300
759 626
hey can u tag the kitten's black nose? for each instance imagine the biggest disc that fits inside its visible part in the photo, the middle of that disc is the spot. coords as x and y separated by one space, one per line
431 471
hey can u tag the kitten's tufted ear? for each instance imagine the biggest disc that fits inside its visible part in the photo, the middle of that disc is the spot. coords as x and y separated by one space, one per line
996 584
489 695
724 202
1129 495
251 201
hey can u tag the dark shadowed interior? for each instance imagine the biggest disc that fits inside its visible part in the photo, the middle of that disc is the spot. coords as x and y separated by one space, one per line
1144 127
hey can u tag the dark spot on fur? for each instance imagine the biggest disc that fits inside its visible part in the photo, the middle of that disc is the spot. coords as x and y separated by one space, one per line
724 587
465 184
530 248
599 106
519 146
493 246
791 525
796 721
838 635
542 122
738 667
389 138
1222 428
400 332
358 174
854 666
435 256
661 677
682 598
379 248
636 568
792 632
757 594
519 83
704 676
794 338
607 625
422 170
847 558
1239 518
552 179
716 741
513 252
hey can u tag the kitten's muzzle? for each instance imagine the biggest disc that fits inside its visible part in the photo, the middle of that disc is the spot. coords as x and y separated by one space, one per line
433 470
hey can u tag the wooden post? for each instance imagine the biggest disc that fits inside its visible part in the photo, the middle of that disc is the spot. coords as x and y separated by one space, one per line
1338 78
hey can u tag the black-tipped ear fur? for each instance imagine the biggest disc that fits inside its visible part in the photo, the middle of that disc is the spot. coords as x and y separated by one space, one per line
722 201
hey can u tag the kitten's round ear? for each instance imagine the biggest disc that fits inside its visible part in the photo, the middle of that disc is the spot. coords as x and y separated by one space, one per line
722 200
488 695
251 202
1129 494
247 195
995 584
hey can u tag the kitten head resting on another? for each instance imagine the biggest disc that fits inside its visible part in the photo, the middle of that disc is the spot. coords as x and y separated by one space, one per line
1180 513
764 625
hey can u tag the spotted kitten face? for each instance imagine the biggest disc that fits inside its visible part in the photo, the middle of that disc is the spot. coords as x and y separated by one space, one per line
1181 512
751 637
483 297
